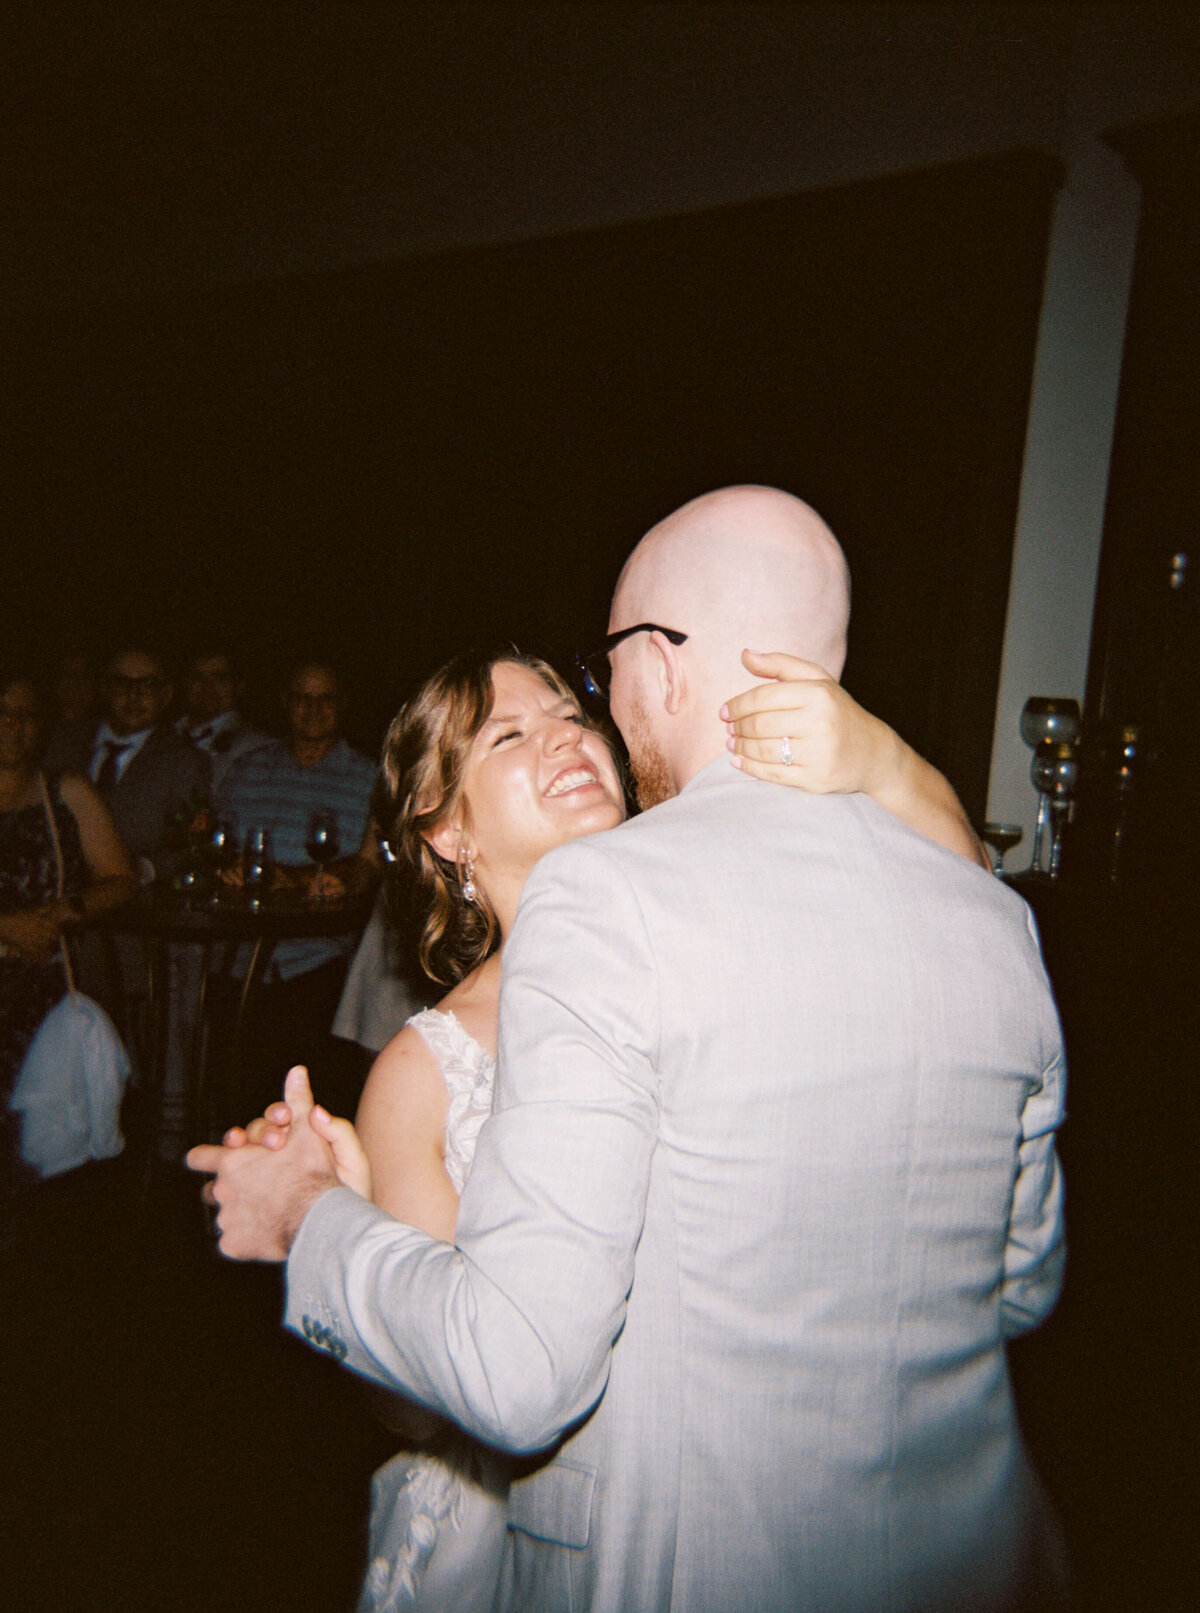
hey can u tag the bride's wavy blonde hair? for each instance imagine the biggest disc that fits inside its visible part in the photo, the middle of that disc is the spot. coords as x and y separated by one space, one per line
424 758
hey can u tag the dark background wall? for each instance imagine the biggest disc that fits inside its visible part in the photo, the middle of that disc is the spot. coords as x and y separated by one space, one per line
395 462
156 151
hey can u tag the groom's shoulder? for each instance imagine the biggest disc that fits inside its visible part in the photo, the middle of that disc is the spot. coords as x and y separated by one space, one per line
650 836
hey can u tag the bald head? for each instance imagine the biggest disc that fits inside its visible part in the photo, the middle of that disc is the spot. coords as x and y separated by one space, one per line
740 568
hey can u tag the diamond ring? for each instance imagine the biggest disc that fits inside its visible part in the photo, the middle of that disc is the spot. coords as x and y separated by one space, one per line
785 751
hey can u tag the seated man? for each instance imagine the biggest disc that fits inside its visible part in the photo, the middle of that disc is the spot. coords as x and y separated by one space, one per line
149 777
280 786
212 689
143 769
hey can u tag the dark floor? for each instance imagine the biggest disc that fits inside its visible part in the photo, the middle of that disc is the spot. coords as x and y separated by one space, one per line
169 1447
1108 1388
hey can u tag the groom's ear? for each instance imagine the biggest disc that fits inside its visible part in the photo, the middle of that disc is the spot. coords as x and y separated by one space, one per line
670 673
445 838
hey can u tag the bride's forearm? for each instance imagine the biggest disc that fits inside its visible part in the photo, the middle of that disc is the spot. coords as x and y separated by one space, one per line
913 790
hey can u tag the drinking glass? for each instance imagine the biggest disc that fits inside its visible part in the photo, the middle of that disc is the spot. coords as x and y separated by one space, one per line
1050 717
1064 775
321 843
1046 718
221 852
258 866
1041 774
1002 837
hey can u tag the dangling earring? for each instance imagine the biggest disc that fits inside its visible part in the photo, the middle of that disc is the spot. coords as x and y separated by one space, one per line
468 884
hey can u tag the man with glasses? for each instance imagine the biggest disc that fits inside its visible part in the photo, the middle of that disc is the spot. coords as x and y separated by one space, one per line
770 1176
212 688
145 771
150 778
283 787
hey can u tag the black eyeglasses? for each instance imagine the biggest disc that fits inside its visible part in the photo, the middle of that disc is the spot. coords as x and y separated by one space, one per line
595 665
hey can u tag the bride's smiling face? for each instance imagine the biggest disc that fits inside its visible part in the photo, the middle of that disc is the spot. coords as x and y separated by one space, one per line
535 776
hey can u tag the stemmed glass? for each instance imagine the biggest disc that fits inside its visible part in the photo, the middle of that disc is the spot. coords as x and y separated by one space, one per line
258 868
1063 770
221 851
1003 837
1046 718
322 844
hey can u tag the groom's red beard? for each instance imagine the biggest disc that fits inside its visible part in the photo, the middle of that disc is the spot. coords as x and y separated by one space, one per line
651 775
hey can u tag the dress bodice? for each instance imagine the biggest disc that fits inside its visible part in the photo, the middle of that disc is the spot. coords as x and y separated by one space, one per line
469 1072
439 1518
29 879
28 866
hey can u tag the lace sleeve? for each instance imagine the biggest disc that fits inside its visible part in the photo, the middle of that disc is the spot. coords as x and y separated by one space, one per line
469 1072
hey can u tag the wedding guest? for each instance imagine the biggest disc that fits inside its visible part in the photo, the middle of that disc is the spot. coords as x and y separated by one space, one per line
146 773
281 786
43 817
212 691
152 782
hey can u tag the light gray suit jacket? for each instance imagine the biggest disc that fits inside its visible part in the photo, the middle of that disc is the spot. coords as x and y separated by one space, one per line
770 1179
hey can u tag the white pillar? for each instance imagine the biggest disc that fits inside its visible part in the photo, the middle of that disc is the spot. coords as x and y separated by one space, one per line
1068 446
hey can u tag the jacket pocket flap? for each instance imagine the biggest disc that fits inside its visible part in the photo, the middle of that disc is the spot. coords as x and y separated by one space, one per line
554 1505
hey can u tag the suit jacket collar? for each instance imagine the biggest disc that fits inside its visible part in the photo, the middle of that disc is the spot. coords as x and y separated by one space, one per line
162 738
713 774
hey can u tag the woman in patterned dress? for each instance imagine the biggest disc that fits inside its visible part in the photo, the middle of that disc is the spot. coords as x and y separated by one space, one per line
96 875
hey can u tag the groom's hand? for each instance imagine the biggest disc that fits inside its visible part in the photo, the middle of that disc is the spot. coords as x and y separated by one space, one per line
271 1130
263 1194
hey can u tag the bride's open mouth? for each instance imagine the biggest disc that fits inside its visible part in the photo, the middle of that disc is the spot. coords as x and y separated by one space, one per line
573 778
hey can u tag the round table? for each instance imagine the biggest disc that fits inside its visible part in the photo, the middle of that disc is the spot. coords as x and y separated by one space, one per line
181 937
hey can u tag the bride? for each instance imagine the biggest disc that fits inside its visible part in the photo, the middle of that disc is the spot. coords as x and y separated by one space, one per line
489 767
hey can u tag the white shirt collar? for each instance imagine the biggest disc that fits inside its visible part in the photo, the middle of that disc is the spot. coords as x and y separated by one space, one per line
218 725
132 743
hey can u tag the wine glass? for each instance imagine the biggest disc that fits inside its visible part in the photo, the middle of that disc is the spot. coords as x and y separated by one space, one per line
1002 837
1049 717
1046 718
221 852
258 868
1064 774
1041 774
321 843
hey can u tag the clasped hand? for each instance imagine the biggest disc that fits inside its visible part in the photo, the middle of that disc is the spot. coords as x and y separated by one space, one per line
267 1176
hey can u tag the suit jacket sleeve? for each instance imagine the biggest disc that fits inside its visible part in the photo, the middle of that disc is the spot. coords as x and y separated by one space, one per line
187 778
510 1332
1035 1253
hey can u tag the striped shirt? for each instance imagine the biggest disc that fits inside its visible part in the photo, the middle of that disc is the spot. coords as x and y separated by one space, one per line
269 787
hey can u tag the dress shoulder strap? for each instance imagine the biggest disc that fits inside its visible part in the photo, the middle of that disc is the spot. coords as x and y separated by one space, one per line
469 1072
52 825
446 1038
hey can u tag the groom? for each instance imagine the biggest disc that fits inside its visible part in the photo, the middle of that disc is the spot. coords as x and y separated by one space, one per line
771 1176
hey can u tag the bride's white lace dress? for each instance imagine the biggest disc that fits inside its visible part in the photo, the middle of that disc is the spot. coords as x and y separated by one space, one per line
438 1517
